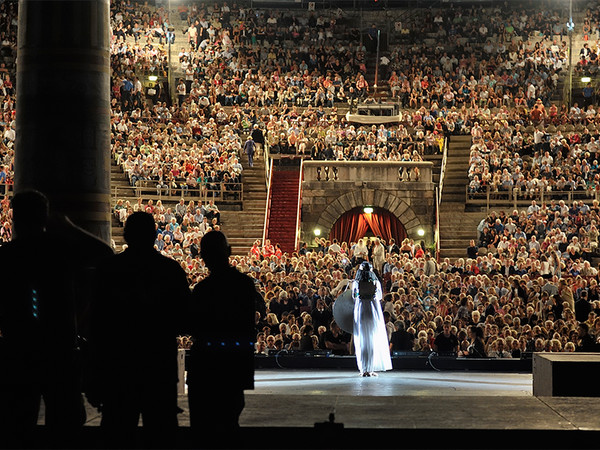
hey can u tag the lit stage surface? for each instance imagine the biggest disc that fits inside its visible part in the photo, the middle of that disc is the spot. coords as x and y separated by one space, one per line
290 408
392 383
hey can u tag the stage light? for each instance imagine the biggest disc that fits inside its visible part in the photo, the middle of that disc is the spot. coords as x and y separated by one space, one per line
368 210
153 78
421 232
586 79
317 232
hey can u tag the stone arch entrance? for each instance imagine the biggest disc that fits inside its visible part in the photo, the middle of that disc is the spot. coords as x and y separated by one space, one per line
368 197
356 223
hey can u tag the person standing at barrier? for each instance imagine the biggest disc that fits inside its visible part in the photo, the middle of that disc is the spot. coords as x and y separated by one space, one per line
370 336
145 296
221 364
446 342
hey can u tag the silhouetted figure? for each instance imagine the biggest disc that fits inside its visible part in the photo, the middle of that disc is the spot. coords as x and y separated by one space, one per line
87 251
221 362
139 310
39 355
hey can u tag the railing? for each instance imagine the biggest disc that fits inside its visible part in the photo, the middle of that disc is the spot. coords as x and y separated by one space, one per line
516 197
222 192
267 160
299 208
268 204
438 199
368 171
6 189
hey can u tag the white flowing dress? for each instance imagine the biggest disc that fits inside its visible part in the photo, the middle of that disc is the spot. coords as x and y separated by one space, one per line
370 336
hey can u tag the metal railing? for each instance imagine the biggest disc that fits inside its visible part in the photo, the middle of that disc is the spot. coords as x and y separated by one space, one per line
221 192
299 208
515 197
438 199
267 162
6 189
268 203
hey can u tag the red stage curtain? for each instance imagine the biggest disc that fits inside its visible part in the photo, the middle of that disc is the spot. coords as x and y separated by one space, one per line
354 224
350 227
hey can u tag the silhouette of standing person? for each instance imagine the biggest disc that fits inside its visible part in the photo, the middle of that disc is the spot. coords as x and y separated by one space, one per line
38 322
142 297
87 251
221 362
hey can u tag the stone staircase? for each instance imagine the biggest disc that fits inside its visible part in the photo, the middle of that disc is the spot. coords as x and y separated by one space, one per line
457 165
181 41
243 227
457 226
283 204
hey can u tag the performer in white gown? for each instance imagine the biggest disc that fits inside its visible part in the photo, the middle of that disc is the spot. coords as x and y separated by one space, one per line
370 337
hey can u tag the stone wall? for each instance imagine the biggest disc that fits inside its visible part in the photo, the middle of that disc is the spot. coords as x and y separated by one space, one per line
367 184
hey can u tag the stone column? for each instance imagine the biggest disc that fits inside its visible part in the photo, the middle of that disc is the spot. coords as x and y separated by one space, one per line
62 143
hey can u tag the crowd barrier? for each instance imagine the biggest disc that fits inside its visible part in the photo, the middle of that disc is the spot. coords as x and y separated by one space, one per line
400 361
221 192
488 196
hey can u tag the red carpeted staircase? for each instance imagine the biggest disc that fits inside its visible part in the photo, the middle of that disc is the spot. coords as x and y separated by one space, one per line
283 210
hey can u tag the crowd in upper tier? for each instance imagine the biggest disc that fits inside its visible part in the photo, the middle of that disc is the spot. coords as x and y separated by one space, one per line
490 73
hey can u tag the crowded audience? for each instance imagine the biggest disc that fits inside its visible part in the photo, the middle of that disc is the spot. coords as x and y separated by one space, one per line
516 310
527 275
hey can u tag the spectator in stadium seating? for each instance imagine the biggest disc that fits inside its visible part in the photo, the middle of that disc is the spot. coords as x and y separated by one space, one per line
401 340
337 340
583 307
476 348
446 342
586 342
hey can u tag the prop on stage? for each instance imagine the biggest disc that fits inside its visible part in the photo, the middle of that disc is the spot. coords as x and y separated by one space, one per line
343 311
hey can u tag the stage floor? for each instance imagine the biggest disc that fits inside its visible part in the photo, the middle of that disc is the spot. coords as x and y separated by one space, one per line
435 409
407 400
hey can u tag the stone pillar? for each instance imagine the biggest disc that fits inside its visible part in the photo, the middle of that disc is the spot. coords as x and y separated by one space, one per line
62 143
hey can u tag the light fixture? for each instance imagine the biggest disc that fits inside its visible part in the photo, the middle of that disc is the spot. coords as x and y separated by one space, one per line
317 231
421 232
586 79
153 78
368 210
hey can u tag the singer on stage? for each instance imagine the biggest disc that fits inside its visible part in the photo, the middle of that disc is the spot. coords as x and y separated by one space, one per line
370 337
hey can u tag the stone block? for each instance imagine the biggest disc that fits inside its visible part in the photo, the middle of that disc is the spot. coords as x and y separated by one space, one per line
566 374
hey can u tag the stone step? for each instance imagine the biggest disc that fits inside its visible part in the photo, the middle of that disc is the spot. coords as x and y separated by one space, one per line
457 226
456 243
449 228
456 178
453 254
454 165
241 227
453 197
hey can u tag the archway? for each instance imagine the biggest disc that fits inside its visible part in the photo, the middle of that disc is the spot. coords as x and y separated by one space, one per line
355 224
